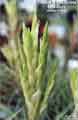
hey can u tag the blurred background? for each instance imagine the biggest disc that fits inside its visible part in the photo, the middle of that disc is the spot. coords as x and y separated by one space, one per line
63 44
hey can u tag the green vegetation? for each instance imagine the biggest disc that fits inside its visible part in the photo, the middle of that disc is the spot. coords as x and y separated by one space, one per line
30 65
35 73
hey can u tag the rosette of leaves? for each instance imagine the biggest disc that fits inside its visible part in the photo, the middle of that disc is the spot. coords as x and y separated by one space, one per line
30 66
36 79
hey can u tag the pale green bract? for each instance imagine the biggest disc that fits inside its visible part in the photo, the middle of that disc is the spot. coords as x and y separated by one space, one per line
31 66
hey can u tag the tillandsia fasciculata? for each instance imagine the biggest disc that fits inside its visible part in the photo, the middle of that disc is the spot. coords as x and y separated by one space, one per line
31 67
33 70
30 64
